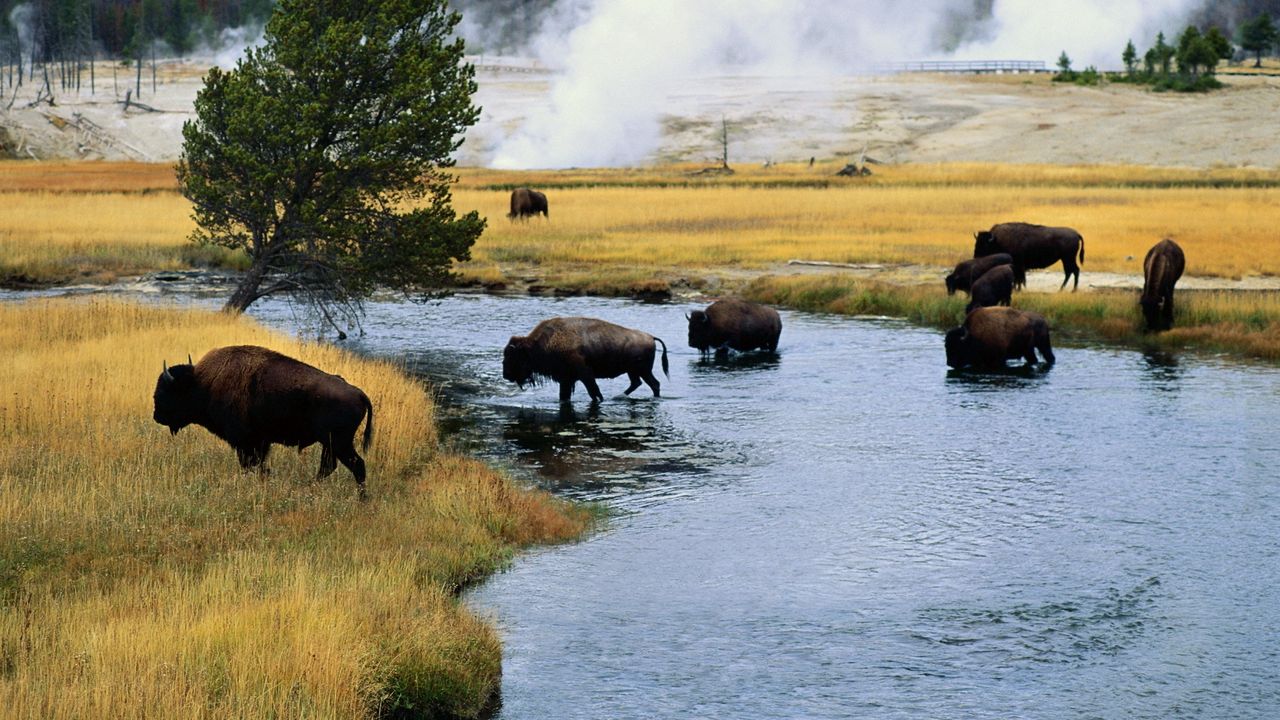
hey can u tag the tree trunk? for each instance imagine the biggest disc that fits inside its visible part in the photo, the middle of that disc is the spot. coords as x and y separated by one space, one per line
247 291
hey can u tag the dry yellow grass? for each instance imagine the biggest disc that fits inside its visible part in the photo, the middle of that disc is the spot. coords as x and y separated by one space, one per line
67 220
144 575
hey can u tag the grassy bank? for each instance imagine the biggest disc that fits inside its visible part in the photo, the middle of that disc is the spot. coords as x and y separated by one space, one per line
143 575
1245 324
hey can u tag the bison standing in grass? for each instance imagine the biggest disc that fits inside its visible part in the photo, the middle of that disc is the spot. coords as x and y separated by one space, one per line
995 287
577 349
526 202
733 324
253 397
1161 269
1033 246
992 335
969 270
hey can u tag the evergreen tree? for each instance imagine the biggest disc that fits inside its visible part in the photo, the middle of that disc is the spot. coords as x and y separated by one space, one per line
1257 36
322 154
1130 57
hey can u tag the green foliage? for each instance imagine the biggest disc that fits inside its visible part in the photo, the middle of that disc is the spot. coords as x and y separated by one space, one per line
1258 35
1130 57
322 154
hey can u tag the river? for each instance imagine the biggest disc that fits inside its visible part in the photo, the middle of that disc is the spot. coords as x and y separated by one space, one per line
849 530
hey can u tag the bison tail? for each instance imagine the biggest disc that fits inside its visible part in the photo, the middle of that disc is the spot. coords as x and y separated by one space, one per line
368 426
1081 249
664 357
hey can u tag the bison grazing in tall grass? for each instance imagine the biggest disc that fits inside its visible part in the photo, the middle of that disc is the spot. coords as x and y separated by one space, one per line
577 349
1033 246
992 335
733 324
253 397
969 270
1161 269
526 202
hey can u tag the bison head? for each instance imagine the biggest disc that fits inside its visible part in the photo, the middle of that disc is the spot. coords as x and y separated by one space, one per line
699 330
957 344
951 284
984 244
517 361
175 402
1151 311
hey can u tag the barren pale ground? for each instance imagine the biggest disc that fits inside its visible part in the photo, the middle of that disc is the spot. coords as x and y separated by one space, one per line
899 118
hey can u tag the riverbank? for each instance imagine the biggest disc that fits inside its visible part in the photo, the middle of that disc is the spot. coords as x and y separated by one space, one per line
144 575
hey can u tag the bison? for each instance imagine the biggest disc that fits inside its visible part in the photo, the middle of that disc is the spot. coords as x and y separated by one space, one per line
995 287
526 202
966 272
991 335
252 397
734 324
1033 246
1161 269
577 349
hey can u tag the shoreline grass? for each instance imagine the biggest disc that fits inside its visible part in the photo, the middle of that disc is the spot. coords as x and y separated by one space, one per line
146 575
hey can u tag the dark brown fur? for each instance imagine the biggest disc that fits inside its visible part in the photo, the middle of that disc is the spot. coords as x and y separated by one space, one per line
576 349
992 335
995 287
253 397
1161 269
526 202
734 324
969 270
1033 246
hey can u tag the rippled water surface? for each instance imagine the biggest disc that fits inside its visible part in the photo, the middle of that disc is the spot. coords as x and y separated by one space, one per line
846 530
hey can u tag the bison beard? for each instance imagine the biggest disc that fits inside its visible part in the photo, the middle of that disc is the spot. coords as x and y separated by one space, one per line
252 397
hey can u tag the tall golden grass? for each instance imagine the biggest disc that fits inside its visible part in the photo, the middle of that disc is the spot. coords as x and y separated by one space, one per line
147 576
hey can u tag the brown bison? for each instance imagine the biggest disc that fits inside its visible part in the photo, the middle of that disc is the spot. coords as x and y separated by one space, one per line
734 324
992 335
969 270
252 397
526 202
578 349
995 287
1033 246
1162 268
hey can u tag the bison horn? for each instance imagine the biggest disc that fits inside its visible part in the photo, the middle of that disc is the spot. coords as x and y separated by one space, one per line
688 316
166 374
189 359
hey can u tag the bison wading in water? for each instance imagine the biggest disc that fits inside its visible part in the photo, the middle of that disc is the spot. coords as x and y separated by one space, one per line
1033 246
526 202
577 349
1161 269
734 324
995 287
991 335
252 397
970 270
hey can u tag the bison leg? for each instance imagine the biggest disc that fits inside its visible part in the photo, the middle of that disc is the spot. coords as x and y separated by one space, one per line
1069 268
1166 310
592 389
254 457
328 463
345 450
635 383
566 390
652 382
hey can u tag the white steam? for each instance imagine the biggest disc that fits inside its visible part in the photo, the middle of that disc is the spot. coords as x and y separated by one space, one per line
623 59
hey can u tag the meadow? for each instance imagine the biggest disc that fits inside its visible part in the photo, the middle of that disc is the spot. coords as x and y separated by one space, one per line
651 231
143 575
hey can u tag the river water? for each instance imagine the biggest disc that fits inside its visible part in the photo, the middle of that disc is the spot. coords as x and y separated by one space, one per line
848 530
